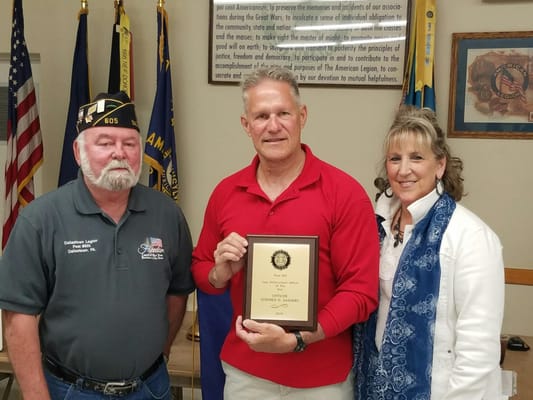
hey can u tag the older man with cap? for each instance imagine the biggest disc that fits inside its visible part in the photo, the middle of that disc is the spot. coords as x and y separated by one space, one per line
95 276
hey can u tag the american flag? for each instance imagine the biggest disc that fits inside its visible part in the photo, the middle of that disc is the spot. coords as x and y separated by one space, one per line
507 79
156 242
24 141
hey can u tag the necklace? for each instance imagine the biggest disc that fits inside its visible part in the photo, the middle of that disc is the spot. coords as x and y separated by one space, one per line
397 232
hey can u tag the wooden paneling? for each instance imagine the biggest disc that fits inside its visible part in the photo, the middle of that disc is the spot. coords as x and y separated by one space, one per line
519 276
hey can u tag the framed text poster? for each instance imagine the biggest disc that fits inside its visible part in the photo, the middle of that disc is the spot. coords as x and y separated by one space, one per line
324 42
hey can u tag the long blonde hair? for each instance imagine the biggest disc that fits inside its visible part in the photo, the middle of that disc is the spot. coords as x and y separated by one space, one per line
422 123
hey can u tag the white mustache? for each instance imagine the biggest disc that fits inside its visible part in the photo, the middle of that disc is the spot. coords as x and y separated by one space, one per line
117 164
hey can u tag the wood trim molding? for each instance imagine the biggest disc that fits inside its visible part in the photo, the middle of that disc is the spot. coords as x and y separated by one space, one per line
519 276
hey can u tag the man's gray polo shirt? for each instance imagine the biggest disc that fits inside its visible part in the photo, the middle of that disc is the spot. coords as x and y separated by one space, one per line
100 287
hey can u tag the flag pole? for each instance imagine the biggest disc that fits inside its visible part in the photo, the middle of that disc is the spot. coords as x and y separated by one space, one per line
118 5
193 333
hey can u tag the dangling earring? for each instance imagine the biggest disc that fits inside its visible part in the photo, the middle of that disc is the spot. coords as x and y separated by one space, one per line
438 186
388 195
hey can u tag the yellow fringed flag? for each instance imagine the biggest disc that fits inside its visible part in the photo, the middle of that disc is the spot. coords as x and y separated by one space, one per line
418 86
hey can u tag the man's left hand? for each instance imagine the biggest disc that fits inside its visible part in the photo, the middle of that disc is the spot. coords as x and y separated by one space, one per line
264 337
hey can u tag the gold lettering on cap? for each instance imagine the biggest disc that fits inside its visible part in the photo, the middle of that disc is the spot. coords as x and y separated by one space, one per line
111 120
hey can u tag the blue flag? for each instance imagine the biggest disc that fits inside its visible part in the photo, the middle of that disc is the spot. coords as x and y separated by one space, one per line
418 86
79 95
214 318
160 149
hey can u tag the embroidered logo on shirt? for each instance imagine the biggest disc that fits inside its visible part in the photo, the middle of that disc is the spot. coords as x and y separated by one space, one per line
80 246
151 249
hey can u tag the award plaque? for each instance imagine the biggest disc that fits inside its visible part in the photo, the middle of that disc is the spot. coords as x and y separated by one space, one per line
282 281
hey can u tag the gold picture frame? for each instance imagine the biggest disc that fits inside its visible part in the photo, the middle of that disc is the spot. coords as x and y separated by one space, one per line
491 85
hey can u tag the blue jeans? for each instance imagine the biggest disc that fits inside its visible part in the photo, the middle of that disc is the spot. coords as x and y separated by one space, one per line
156 387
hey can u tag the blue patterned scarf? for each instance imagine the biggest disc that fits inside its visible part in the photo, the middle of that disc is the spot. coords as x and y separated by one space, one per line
402 369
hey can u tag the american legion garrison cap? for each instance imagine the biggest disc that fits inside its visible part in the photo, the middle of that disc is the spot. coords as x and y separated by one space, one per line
114 110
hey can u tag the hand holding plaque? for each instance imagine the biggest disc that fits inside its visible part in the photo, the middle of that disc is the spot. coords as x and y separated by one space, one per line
282 281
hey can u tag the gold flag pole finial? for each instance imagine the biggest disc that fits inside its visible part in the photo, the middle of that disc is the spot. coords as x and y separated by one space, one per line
160 3
84 5
119 7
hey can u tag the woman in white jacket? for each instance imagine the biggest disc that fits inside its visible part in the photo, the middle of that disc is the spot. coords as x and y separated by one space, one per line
436 333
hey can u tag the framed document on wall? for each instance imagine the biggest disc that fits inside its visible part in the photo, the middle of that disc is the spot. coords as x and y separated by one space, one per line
282 281
343 43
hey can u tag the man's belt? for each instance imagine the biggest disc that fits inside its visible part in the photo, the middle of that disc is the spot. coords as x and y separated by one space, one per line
114 388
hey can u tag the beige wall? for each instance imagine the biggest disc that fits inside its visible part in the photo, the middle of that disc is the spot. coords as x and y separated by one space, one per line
345 125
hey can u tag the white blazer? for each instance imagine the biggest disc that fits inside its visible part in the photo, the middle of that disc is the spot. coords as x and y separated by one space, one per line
466 349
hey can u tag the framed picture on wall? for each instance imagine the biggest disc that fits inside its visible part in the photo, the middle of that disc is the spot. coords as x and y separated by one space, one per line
491 85
343 43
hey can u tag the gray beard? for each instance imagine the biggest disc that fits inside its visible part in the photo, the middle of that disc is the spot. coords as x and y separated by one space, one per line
109 179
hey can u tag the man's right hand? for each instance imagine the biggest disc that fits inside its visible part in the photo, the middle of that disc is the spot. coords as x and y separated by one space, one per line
229 259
